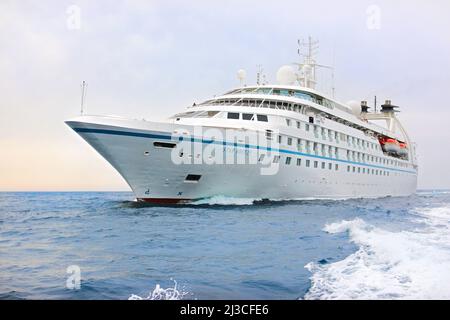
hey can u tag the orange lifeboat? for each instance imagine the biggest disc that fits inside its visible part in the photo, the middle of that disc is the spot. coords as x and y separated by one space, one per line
390 145
403 148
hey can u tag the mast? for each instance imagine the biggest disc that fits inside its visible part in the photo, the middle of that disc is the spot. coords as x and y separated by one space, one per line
307 68
83 95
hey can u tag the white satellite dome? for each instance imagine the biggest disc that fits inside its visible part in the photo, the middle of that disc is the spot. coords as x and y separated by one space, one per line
241 74
355 106
286 75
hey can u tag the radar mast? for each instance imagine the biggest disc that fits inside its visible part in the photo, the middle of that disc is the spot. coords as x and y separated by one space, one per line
307 69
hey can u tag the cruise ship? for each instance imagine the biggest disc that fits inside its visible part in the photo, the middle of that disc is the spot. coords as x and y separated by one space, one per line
275 142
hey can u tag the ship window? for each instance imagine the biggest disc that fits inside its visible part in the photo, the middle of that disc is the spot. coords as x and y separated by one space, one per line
262 117
207 114
348 168
276 159
311 119
261 158
308 162
354 169
247 116
164 145
299 162
330 166
269 134
192 178
288 160
359 170
298 124
289 141
323 165
316 164
233 115
307 127
336 167
280 138
288 122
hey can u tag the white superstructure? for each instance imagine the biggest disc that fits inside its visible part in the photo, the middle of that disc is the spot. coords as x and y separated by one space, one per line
265 141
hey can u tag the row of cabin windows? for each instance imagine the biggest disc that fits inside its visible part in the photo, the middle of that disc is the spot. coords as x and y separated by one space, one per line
290 93
328 165
272 104
311 147
330 134
308 163
247 116
333 152
292 107
375 172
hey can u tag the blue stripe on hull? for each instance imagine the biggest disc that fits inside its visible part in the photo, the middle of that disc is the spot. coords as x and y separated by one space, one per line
225 143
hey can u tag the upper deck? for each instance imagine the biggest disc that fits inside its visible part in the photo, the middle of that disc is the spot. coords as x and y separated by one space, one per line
297 99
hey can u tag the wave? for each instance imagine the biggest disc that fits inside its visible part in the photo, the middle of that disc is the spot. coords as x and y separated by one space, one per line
410 264
231 201
226 201
159 293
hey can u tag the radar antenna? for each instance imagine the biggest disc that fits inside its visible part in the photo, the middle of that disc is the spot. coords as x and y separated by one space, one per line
260 76
307 51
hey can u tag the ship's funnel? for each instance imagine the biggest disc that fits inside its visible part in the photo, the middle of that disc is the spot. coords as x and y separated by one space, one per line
387 107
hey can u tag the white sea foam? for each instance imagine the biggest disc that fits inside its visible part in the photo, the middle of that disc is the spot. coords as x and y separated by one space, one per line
159 293
412 264
222 200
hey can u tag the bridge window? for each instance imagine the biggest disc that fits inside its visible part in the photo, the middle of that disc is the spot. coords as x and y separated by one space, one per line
262 117
233 115
247 116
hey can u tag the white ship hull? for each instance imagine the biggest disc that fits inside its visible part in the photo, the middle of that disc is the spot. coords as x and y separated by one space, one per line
152 175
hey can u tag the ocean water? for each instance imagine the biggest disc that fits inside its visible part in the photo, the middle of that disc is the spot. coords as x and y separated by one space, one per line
389 248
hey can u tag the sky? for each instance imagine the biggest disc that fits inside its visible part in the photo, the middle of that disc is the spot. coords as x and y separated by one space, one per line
151 59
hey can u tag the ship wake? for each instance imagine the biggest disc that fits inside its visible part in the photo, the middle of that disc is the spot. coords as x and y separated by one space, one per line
410 264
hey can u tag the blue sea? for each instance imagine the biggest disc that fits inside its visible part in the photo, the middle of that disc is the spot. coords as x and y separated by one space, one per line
221 248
